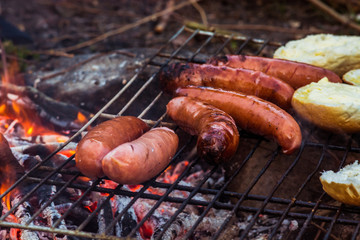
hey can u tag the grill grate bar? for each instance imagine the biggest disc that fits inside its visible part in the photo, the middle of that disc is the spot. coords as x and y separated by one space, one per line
136 95
187 200
226 42
237 205
356 232
48 202
141 193
35 188
262 47
312 213
98 209
205 191
334 147
93 185
221 191
161 200
266 201
150 105
303 186
243 45
328 232
218 205
207 41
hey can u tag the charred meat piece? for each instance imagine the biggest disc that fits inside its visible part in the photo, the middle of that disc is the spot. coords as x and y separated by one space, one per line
218 137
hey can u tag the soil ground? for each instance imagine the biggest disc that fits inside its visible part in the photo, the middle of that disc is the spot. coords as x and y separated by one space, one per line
54 24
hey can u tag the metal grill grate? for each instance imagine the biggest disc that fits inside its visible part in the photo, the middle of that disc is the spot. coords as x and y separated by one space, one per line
317 217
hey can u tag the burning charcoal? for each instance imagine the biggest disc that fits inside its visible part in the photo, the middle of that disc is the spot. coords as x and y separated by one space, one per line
23 214
41 109
77 215
3 234
265 224
51 214
128 221
105 217
9 164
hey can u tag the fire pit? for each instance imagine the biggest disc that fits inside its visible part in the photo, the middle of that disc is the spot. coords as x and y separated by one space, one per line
261 194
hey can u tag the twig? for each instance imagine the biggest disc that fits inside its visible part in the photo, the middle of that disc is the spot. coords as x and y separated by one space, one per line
126 27
262 27
160 27
335 14
56 53
201 11
192 26
225 28
324 230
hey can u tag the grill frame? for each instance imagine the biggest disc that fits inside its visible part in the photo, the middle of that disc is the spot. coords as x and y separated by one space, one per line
290 203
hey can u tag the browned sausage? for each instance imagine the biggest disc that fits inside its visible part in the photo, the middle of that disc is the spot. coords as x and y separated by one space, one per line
252 114
294 73
218 137
235 79
142 159
102 139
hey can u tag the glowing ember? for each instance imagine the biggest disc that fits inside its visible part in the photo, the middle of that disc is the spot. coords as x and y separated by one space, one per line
81 118
6 183
67 153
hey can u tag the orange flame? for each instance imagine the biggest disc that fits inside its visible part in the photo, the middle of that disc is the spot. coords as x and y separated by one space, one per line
67 153
6 183
81 118
12 106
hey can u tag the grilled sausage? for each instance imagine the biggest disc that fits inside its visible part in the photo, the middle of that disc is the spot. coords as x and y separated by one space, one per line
218 137
138 161
296 74
235 79
252 114
102 139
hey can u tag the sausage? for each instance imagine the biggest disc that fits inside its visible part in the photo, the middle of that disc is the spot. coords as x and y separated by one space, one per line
218 137
252 114
296 74
235 79
142 159
102 139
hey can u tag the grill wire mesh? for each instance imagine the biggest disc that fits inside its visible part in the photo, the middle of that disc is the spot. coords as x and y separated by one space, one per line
319 217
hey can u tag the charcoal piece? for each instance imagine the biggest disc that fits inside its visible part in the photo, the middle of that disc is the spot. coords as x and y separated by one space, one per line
42 109
128 221
105 217
23 214
92 84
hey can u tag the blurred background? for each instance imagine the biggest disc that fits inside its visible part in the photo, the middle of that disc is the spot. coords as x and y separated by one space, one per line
57 26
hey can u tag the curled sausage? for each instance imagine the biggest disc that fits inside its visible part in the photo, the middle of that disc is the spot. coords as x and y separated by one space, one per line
140 160
296 74
218 137
235 79
102 139
252 114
